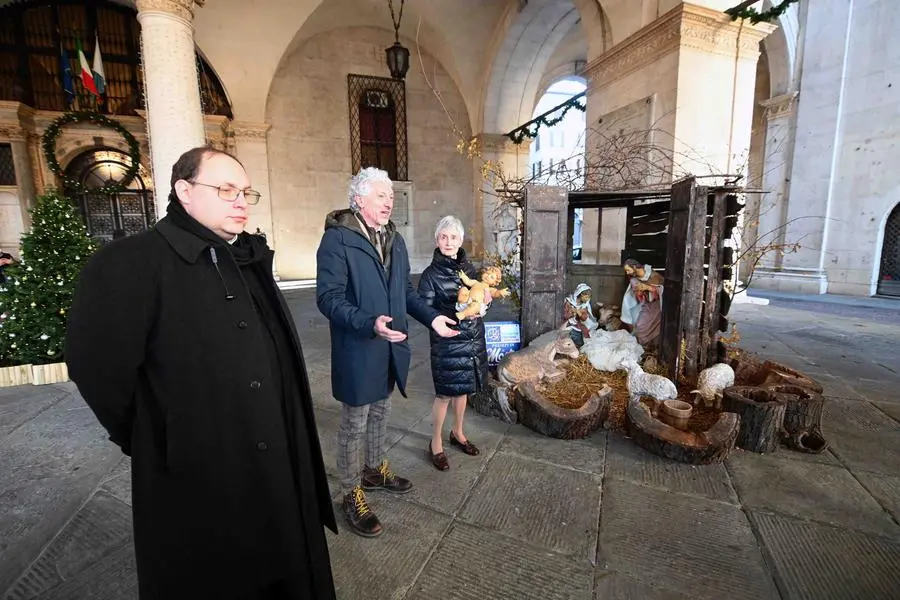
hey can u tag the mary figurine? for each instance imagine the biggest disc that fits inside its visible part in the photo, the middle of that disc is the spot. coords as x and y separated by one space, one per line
577 312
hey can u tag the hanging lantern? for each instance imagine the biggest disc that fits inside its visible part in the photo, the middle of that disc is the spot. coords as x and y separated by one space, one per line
397 60
397 56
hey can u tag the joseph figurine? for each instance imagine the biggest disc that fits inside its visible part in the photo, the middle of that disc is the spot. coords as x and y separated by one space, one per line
642 304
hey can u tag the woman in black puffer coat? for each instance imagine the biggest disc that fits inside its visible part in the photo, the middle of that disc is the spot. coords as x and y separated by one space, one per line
458 364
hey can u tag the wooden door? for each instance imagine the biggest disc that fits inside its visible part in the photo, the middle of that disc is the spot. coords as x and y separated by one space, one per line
674 315
543 260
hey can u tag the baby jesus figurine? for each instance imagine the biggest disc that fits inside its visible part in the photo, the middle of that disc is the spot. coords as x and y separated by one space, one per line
474 296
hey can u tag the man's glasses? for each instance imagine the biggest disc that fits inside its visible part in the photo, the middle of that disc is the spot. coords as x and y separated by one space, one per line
230 193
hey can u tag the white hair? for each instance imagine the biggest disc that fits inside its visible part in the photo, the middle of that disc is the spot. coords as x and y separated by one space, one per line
449 223
360 184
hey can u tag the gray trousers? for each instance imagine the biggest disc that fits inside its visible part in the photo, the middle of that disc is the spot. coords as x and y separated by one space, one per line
370 420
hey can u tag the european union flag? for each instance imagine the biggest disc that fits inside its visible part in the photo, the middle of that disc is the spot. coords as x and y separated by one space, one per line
66 70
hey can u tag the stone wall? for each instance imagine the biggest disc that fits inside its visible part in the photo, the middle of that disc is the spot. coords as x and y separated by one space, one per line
309 145
843 183
866 181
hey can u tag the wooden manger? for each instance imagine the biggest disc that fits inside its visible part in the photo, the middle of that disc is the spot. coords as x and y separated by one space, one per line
680 233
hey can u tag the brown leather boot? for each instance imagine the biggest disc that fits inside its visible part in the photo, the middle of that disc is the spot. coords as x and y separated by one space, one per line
383 478
361 518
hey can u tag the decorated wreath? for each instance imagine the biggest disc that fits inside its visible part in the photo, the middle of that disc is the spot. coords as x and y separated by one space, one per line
70 183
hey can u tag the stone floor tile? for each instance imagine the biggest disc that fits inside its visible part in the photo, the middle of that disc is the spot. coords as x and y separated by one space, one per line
626 461
473 564
890 409
544 505
885 489
48 468
861 436
444 491
819 562
703 547
20 404
609 585
384 567
92 555
588 454
817 492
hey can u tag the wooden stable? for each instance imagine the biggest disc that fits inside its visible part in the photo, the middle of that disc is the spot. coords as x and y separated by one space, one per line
680 232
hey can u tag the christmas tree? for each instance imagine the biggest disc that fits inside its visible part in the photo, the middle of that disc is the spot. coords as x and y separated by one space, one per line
37 293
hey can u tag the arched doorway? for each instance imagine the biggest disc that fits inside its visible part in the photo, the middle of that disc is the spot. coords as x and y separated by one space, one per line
889 274
111 216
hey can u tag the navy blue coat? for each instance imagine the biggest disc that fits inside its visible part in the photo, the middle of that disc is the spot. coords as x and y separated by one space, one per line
352 290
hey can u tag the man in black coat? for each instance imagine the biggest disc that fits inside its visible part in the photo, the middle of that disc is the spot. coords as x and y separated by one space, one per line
182 345
363 287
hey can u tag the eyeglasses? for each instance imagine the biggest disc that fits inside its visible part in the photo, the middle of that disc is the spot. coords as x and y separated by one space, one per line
230 193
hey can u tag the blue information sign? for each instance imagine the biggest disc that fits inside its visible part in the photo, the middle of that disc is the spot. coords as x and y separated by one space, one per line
502 338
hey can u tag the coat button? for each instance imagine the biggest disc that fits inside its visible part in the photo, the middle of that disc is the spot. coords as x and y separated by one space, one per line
262 446
242 324
254 385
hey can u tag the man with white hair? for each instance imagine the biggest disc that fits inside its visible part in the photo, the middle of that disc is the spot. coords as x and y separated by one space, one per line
363 287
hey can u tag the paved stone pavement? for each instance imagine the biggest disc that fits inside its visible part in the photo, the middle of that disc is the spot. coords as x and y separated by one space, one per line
531 517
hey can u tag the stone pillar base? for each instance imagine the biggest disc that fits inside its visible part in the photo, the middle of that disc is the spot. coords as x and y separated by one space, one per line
796 281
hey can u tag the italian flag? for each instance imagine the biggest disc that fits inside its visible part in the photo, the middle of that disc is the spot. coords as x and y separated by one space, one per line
87 77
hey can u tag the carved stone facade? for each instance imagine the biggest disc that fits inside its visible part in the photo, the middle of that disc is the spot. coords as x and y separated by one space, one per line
499 142
780 106
685 26
183 9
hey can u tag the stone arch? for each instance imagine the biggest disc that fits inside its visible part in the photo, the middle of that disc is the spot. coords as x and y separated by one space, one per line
415 29
558 74
781 50
887 254
310 158
529 40
71 147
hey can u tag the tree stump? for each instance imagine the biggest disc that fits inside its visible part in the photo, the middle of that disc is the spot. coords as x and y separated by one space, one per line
540 415
802 430
495 400
778 373
762 417
651 434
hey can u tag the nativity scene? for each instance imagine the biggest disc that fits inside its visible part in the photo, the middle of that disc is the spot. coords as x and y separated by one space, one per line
654 366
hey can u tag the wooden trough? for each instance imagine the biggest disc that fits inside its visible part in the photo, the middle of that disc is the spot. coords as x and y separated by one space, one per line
540 415
711 446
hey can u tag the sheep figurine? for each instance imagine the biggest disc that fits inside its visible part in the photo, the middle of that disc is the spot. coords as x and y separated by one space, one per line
710 384
646 384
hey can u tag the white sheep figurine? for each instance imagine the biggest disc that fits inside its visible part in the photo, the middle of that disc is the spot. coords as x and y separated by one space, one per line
711 382
647 384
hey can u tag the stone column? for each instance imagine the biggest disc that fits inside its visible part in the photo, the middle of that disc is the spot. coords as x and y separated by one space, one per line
14 208
250 145
716 88
779 111
687 79
172 91
818 135
498 227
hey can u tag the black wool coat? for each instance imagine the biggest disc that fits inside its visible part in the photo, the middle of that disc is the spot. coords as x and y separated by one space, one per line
179 377
352 290
459 365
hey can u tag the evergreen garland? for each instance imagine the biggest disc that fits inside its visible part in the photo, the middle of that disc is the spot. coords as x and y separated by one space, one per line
531 128
70 183
37 294
745 11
